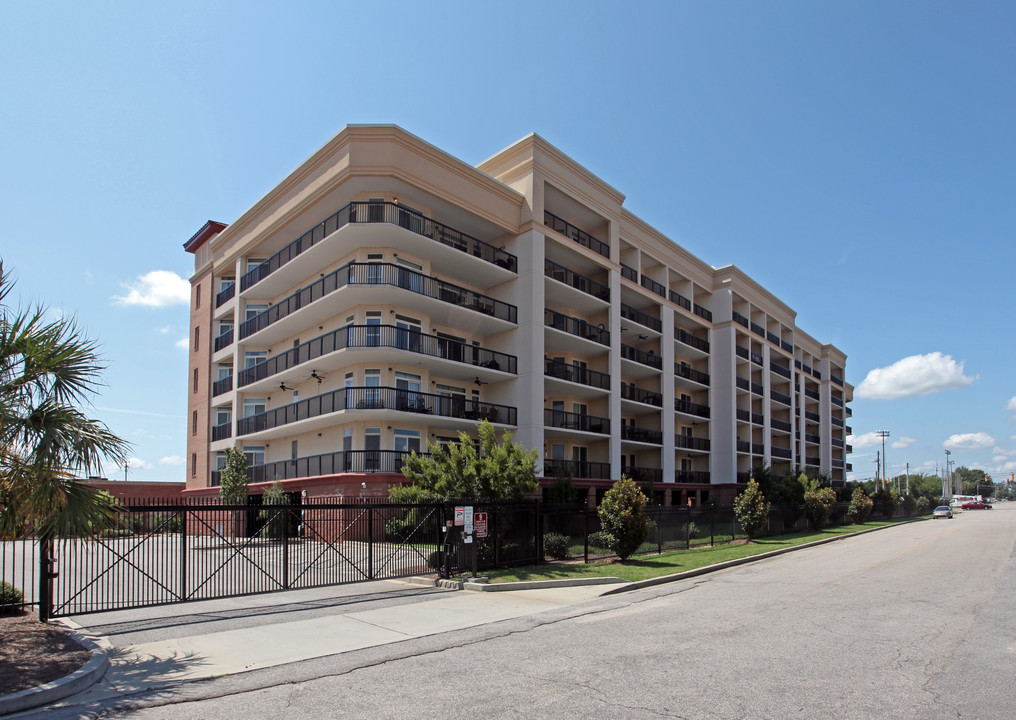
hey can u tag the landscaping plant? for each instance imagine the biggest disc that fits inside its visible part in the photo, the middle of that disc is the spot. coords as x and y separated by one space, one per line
751 510
860 506
623 517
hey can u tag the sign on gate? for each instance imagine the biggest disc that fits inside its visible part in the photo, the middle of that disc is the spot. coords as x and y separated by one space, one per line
480 524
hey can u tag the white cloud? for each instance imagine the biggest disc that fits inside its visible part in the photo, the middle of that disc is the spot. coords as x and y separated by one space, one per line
1012 404
867 440
182 343
138 464
172 460
969 441
158 288
164 330
913 376
904 442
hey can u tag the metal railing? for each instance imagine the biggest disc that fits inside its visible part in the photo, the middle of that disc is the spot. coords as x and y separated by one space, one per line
629 273
682 335
225 295
379 336
779 397
574 233
576 326
680 300
355 273
781 452
585 469
583 376
758 329
703 312
741 351
222 386
225 339
333 463
692 476
654 287
380 212
687 442
836 380
580 282
378 398
739 318
221 432
691 408
742 383
780 425
640 317
630 391
643 435
650 359
576 421
780 369
689 373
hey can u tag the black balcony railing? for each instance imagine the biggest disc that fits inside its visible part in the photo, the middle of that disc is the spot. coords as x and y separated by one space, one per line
640 317
779 397
758 449
812 438
772 337
811 460
837 421
739 318
837 463
837 442
643 435
380 212
225 295
687 442
849 448
641 356
576 326
580 282
756 358
757 388
652 286
690 408
836 401
758 329
679 299
779 369
583 376
703 312
343 461
576 421
742 383
225 339
836 380
380 274
757 418
813 394
378 398
689 373
742 352
222 386
642 474
580 236
690 340
629 273
781 452
379 336
789 347
577 468
221 432
692 476
743 415
630 391
743 446
813 416
780 425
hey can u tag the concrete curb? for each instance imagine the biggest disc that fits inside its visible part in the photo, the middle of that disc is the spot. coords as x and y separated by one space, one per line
82 678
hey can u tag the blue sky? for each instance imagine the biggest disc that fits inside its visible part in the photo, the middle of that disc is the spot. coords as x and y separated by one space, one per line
855 158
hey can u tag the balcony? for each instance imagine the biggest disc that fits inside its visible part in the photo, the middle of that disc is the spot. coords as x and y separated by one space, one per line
757 388
650 359
630 391
739 318
576 421
690 408
780 425
742 383
780 369
629 273
379 336
780 452
576 326
814 461
380 212
222 386
744 446
702 312
789 347
836 401
575 374
225 295
640 317
690 340
334 463
838 464
643 474
756 358
773 338
377 398
813 416
224 340
813 394
742 352
837 442
812 438
654 287
580 282
836 380
642 435
780 397
749 417
573 233
687 442
692 476
378 274
577 468
837 421
680 300
757 329
221 432
688 373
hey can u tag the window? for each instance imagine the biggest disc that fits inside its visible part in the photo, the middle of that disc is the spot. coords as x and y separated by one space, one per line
372 449
407 441
255 454
410 275
226 282
194 464
197 296
372 393
252 311
223 415
253 357
254 406
197 337
373 334
224 370
195 380
220 460
408 333
225 327
557 451
253 262
408 393
194 422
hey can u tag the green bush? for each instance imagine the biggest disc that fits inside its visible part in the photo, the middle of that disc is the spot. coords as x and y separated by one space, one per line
599 540
923 505
273 517
888 500
860 506
555 545
818 505
751 510
623 517
909 504
397 530
10 599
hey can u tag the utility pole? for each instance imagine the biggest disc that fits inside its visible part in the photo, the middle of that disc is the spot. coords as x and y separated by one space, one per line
908 479
878 469
946 484
883 434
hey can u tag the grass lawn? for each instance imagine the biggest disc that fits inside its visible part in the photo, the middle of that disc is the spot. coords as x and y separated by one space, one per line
643 567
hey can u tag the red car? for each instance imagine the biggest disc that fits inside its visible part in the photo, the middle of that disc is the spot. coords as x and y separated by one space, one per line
975 506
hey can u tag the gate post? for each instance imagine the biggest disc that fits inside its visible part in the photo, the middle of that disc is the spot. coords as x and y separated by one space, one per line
285 546
183 553
45 580
585 522
659 529
370 542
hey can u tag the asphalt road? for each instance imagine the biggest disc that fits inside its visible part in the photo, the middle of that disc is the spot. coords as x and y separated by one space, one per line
910 622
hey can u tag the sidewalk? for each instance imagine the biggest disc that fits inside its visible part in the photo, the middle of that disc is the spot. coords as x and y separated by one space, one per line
157 647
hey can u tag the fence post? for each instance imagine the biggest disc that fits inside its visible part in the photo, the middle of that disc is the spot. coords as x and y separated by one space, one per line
45 580
659 529
370 542
585 529
712 526
183 553
687 532
285 546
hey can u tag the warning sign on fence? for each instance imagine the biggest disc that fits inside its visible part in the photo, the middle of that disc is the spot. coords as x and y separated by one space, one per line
480 524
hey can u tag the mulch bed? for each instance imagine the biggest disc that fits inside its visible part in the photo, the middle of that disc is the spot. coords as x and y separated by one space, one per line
34 653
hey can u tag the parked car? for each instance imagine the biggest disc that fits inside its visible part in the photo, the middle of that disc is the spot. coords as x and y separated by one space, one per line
942 511
976 506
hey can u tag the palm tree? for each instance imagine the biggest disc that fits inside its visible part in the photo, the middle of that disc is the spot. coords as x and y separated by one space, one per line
48 370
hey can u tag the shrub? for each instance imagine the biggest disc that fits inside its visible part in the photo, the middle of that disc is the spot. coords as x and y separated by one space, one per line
623 517
888 500
751 510
923 505
860 506
273 517
555 545
10 598
599 540
909 504
818 505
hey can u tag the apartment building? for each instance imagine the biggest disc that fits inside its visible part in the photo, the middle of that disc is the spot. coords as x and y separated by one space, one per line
386 294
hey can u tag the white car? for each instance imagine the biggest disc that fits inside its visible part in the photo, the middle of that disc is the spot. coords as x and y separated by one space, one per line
942 511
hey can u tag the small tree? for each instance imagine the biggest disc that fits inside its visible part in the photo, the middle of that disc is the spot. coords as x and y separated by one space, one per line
818 506
860 506
623 517
888 499
751 510
499 471
273 517
233 479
